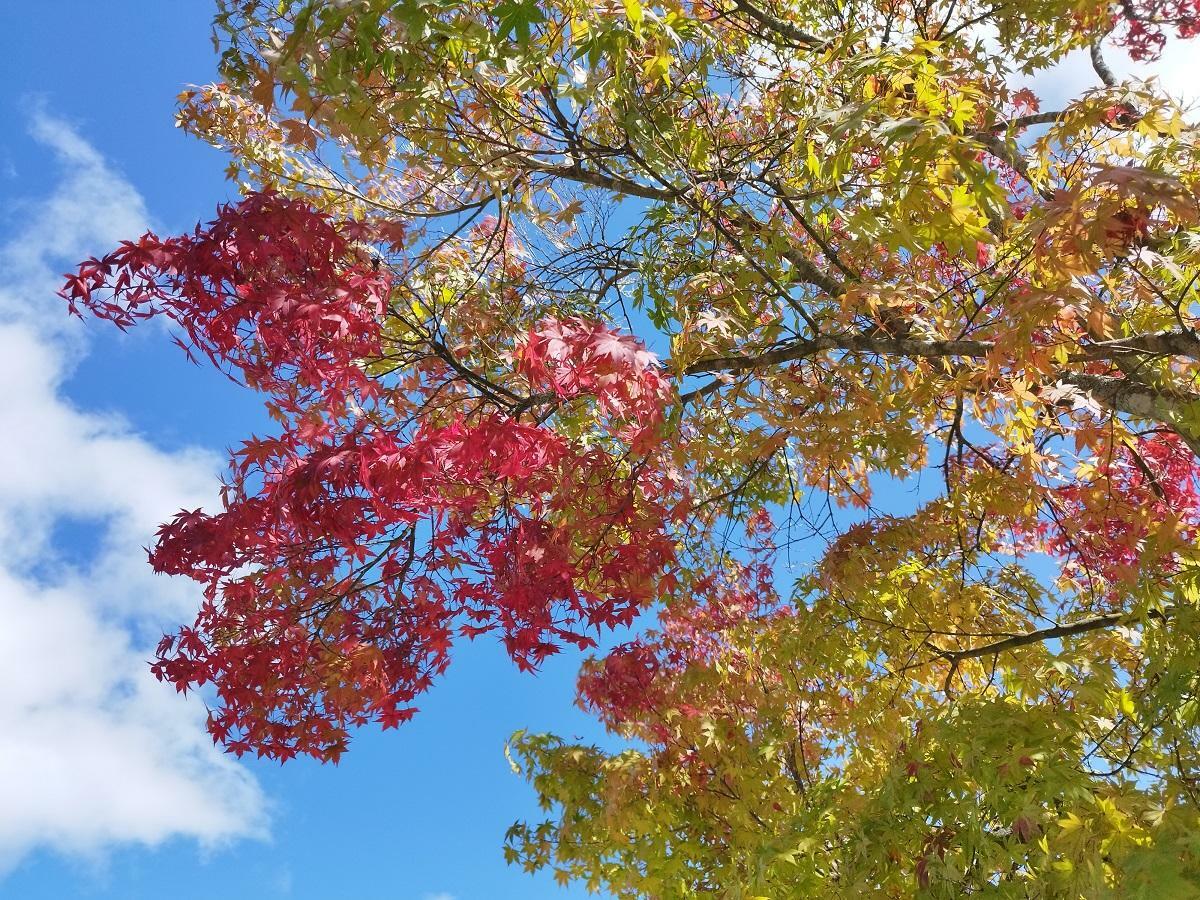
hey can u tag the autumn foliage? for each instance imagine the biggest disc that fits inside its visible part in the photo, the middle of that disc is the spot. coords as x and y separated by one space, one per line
1145 26
356 544
799 337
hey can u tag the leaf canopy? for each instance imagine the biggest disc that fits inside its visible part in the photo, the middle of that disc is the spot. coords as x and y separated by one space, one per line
795 323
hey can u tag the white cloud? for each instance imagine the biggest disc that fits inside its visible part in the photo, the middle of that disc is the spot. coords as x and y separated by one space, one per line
93 751
1177 72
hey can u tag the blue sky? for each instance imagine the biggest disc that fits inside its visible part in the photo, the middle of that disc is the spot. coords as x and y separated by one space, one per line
108 786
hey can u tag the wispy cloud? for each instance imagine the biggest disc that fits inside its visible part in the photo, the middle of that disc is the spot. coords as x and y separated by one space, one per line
93 752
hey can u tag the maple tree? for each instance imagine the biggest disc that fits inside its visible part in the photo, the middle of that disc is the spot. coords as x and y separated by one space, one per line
798 325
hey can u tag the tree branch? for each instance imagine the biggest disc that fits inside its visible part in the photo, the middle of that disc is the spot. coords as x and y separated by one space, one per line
1120 394
1036 637
1044 118
1138 400
1164 343
804 267
862 343
620 185
1101 67
786 29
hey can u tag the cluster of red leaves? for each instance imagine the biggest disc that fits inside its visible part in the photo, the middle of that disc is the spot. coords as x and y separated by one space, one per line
1145 23
1142 504
370 554
355 546
641 677
271 287
574 356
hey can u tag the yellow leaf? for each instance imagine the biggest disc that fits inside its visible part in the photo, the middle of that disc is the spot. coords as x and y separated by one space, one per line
635 14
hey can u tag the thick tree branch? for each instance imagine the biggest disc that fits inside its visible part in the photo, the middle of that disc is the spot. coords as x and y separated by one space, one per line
1101 67
614 183
786 29
863 343
1138 400
1036 637
1120 394
804 267
1044 118
1033 637
1165 343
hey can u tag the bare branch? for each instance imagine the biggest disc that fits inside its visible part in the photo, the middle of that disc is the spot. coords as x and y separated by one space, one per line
1107 620
1101 67
786 29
